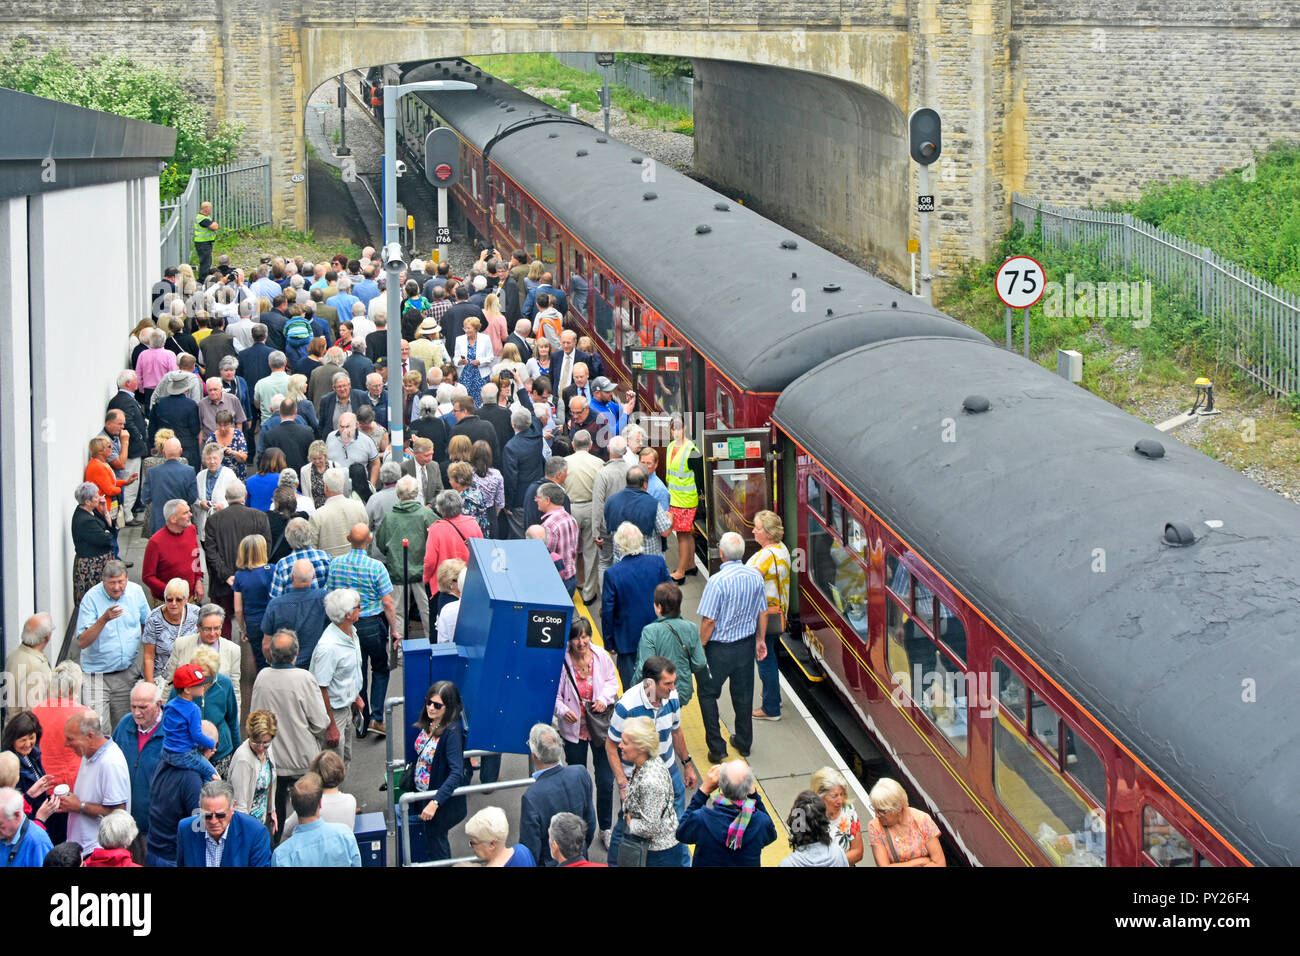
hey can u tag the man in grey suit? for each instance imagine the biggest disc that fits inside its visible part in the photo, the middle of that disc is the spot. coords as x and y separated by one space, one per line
609 481
169 480
424 470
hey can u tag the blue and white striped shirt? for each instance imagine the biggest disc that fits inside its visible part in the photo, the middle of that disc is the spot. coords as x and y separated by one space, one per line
667 718
733 599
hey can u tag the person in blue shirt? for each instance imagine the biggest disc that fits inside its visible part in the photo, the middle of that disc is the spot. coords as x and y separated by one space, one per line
604 403
487 831
315 842
23 842
183 735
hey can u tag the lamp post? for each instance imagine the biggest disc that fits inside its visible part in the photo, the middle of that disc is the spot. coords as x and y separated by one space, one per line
605 61
393 261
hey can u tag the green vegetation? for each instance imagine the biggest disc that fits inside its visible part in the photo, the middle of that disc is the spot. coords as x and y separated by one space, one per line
119 85
566 85
1250 216
661 66
246 247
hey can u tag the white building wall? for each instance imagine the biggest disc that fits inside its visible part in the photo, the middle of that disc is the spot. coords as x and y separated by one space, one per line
69 347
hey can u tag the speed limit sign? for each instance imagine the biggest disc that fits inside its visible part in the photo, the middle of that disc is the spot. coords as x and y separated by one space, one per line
1021 282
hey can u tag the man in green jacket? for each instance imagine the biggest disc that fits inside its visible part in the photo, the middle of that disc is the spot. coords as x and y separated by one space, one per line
670 636
409 520
205 234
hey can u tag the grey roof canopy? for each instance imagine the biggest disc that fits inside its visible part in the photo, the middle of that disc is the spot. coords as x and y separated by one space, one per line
730 290
1014 511
50 145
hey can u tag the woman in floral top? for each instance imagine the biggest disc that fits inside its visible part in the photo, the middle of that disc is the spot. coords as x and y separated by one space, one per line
460 475
438 766
234 449
252 772
846 828
648 809
899 835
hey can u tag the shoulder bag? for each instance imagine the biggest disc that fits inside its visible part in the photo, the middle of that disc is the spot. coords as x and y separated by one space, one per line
702 673
597 723
633 850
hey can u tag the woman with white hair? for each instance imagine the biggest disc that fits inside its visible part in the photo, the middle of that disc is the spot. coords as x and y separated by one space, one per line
210 485
117 832
311 478
297 390
845 827
488 831
302 504
92 539
169 621
649 815
900 835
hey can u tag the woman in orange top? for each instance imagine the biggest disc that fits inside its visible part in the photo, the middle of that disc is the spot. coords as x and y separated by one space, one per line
101 476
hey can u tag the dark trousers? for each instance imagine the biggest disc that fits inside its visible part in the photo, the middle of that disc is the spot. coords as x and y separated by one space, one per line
372 633
204 249
512 523
732 663
253 634
283 785
575 755
225 599
624 663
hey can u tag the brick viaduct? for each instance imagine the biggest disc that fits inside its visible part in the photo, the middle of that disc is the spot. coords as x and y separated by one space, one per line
803 104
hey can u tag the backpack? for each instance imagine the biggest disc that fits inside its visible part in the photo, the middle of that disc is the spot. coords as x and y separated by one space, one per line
298 331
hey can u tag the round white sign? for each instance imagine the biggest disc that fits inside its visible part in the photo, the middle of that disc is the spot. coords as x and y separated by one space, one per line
1021 282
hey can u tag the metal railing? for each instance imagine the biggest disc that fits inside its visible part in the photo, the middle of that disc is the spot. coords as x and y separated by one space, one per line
392 764
1259 322
678 91
240 194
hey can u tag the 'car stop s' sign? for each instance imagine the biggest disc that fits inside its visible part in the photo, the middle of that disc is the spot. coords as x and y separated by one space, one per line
546 629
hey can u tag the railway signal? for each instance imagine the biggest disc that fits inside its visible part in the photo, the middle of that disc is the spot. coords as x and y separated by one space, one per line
925 143
442 169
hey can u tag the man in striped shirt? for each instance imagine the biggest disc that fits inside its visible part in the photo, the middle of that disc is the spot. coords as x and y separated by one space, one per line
731 610
655 697
561 531
302 539
369 578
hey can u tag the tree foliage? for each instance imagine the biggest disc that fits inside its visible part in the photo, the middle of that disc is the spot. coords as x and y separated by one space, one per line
119 85
663 67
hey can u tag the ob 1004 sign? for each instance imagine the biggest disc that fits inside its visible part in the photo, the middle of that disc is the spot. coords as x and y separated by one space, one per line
1021 282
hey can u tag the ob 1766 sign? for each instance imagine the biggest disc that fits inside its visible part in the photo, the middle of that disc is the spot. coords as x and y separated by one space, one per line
546 629
443 237
1021 282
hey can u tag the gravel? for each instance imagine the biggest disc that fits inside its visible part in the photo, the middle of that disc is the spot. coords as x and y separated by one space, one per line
675 149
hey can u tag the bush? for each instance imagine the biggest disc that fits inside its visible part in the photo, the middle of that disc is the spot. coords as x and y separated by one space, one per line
118 85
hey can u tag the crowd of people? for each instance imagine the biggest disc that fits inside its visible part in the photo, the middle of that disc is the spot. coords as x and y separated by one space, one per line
250 442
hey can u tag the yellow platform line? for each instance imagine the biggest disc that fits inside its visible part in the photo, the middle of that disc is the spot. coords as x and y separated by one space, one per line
693 728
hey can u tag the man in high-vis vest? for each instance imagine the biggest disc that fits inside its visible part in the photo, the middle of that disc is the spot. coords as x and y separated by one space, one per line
205 234
683 498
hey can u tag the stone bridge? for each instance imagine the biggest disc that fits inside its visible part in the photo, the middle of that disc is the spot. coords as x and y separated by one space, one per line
801 104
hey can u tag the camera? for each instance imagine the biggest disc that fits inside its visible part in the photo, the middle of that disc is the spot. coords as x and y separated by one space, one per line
400 167
393 257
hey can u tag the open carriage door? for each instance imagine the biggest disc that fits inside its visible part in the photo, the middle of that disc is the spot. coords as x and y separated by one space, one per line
738 483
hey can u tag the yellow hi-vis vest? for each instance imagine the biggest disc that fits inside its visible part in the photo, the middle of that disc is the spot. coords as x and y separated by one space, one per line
203 233
681 480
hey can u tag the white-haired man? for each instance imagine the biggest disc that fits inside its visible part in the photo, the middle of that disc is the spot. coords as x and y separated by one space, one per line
732 609
103 779
27 671
336 665
733 830
140 737
223 532
556 789
22 841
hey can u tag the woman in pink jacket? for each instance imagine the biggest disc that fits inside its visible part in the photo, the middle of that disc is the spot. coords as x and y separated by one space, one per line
154 362
588 683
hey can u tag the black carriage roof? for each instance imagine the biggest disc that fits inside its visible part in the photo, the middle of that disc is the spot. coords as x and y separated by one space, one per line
1012 512
730 290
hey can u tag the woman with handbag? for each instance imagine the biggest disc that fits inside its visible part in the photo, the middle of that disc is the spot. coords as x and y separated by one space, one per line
584 706
439 765
649 818
772 560
675 638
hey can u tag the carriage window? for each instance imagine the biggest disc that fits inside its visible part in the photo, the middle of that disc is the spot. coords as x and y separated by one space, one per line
850 588
1165 845
1068 830
725 409
578 285
924 606
837 517
603 313
548 257
857 540
530 237
952 632
1011 690
900 582
513 212
1045 724
941 691
814 491
820 560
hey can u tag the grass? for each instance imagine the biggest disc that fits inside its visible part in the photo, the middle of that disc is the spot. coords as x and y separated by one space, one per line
542 70
246 247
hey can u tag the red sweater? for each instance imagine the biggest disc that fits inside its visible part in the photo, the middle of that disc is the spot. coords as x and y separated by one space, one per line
168 556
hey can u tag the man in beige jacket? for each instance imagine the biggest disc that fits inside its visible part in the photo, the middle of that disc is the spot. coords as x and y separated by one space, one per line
292 695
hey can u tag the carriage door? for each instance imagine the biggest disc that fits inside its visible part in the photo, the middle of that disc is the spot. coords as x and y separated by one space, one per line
738 484
661 378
